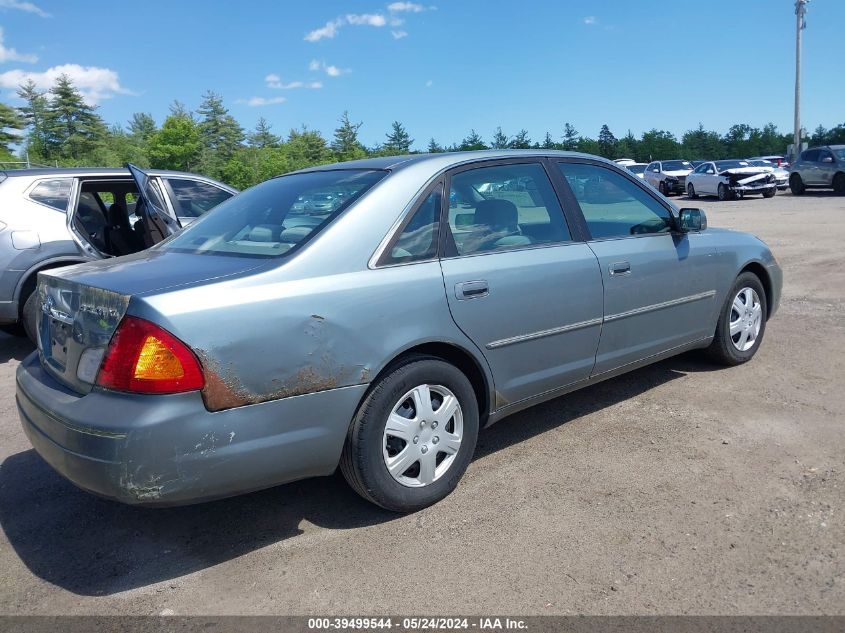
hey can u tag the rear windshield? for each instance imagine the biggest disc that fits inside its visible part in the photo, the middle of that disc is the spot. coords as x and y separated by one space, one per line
271 219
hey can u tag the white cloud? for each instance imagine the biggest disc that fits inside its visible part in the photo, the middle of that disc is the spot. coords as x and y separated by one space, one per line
255 102
11 55
329 69
398 35
315 85
274 81
28 7
366 19
93 82
327 31
590 20
411 7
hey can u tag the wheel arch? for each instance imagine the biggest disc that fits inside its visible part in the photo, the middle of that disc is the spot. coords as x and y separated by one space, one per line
759 270
453 354
28 280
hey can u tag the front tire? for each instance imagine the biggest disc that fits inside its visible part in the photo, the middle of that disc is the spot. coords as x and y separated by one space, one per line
742 322
691 191
796 185
413 436
839 184
723 192
661 187
770 193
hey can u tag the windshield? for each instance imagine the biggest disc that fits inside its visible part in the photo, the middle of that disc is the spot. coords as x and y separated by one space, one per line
677 165
840 153
761 163
270 220
637 169
722 165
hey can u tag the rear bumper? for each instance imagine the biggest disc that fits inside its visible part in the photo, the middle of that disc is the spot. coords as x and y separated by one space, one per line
169 450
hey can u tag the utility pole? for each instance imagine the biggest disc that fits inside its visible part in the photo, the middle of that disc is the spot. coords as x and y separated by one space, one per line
800 25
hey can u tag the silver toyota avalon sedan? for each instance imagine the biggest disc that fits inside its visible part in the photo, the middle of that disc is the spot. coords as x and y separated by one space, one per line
265 343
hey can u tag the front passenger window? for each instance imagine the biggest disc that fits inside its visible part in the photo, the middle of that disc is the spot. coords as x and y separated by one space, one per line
613 206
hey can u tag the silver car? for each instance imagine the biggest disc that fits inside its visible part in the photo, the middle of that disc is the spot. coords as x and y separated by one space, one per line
819 168
253 349
57 217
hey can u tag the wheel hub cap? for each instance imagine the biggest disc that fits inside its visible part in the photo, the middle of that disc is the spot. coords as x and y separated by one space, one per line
746 319
422 435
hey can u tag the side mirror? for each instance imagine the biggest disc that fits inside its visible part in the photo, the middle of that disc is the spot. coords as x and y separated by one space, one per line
692 220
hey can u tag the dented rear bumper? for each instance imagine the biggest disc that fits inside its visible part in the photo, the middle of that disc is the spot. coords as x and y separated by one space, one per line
169 450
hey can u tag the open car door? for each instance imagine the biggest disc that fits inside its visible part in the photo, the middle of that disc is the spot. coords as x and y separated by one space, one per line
151 209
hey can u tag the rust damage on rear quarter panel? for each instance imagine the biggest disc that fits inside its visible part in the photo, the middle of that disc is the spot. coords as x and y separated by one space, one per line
223 390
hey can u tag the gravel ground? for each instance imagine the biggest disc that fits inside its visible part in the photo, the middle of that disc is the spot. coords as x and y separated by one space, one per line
680 488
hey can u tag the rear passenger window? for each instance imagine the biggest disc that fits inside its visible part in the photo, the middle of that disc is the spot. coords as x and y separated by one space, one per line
504 207
613 206
192 198
418 240
53 193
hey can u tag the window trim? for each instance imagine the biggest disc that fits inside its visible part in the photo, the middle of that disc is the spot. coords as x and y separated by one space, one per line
382 255
448 249
673 220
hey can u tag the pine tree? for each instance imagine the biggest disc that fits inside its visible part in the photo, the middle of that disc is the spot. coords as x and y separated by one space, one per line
9 120
472 141
398 140
72 127
570 137
500 139
305 148
220 134
434 148
261 136
548 142
521 140
142 126
346 145
34 116
607 142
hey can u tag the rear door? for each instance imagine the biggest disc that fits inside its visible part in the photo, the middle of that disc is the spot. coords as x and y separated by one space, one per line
519 282
152 210
659 285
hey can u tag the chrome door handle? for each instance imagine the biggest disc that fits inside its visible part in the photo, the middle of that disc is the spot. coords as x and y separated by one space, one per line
620 268
472 289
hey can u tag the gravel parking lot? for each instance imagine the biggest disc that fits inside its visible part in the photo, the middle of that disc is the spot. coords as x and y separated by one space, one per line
681 488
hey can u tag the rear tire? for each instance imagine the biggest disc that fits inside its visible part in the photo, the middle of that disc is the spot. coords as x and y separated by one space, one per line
416 431
839 184
796 185
29 317
744 311
691 191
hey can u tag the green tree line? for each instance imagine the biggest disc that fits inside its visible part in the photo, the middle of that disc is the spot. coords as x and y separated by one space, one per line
59 127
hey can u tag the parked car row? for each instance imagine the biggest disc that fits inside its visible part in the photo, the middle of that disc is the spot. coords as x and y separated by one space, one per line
268 342
816 168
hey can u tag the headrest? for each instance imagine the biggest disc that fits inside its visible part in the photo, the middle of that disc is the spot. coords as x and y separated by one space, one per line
262 233
117 214
497 214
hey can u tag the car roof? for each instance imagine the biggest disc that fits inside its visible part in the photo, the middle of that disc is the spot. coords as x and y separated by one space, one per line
90 171
445 160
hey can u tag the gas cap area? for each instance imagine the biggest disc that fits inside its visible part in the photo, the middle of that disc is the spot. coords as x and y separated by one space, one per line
25 240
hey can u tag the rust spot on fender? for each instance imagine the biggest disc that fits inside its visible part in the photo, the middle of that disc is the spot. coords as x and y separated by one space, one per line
223 390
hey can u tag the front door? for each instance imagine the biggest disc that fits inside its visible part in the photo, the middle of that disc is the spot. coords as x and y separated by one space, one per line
518 285
658 284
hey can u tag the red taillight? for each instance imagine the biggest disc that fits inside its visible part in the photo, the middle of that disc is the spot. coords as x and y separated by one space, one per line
144 358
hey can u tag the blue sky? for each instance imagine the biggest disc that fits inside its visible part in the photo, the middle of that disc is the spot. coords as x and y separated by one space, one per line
441 67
